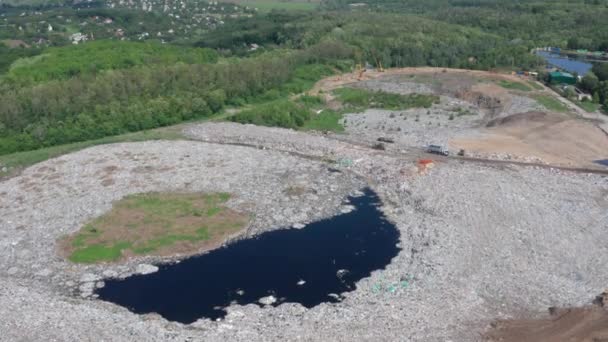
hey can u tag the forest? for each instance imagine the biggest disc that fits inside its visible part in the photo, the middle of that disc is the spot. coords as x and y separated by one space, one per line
143 69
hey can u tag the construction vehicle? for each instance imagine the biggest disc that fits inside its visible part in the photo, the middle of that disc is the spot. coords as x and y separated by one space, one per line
438 149
378 62
361 71
379 65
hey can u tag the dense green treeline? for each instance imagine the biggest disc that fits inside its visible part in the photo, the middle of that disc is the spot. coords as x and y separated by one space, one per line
562 23
118 101
102 88
98 88
9 55
93 57
596 83
394 40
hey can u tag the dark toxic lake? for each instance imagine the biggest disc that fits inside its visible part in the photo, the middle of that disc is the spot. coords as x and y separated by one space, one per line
307 266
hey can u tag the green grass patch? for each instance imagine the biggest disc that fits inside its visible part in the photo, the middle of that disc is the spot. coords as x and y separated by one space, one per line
269 5
99 253
154 223
327 120
535 85
551 103
588 106
305 77
305 112
514 85
361 99
280 113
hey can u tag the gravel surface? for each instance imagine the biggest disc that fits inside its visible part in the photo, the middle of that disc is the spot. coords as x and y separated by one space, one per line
396 84
416 127
478 241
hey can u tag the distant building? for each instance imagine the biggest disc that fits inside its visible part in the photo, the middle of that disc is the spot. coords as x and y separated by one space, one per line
78 38
561 77
581 95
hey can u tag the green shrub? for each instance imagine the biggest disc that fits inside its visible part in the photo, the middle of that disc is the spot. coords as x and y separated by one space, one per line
362 99
310 100
65 62
327 120
279 113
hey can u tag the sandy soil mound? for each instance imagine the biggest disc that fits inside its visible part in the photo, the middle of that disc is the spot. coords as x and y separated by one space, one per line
587 324
523 118
552 138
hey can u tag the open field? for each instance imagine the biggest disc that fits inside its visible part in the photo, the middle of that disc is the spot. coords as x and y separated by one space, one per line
551 103
588 106
514 85
327 120
535 85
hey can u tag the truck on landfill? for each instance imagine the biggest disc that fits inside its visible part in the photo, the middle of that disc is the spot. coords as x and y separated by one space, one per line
438 149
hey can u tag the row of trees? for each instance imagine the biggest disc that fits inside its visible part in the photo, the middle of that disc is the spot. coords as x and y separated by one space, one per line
105 88
596 83
59 63
117 101
393 40
578 24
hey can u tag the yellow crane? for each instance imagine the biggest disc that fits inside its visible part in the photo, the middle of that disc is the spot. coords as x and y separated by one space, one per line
378 62
380 68
359 67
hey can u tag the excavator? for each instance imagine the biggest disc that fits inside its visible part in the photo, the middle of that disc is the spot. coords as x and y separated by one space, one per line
378 62
379 65
359 67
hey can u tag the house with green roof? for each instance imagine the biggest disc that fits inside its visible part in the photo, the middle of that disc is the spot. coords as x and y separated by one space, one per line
562 77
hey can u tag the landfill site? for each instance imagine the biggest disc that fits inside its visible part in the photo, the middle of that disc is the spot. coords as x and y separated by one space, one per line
504 235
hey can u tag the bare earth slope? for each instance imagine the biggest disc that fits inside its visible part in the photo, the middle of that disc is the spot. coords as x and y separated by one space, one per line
554 138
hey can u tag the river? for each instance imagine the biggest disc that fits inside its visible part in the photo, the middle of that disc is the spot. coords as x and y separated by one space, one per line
581 67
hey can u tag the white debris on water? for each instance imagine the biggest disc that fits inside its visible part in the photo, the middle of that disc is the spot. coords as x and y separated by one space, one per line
146 269
268 300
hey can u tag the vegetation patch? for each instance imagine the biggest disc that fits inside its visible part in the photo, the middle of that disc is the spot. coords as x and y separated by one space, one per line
535 85
361 99
514 85
306 113
19 160
269 5
551 103
279 113
93 57
155 224
588 106
326 120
